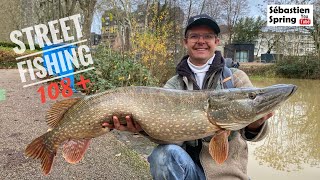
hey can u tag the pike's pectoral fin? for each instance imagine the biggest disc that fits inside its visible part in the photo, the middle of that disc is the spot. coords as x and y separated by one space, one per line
56 112
37 149
219 146
74 150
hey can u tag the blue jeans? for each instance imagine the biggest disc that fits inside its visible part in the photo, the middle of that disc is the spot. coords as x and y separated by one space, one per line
171 162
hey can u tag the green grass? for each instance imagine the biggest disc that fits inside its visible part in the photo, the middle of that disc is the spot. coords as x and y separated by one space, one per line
2 94
10 49
8 57
258 77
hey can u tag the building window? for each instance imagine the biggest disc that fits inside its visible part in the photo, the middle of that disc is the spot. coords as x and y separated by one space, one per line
242 56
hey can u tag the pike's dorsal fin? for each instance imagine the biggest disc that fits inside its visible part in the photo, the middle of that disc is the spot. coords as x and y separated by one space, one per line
56 112
219 147
74 150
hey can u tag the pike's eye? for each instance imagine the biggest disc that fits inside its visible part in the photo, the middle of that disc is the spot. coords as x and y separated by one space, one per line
252 95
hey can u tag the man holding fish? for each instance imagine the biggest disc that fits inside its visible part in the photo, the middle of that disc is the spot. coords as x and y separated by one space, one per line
202 133
203 68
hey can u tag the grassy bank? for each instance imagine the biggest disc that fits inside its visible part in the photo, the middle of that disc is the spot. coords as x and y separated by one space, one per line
259 69
300 67
8 57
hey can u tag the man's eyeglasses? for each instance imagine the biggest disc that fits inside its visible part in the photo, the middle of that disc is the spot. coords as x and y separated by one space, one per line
193 37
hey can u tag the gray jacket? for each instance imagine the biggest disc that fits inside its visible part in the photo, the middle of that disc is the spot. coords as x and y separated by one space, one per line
235 167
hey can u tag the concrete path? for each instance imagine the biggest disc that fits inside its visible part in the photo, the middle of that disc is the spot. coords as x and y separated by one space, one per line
113 156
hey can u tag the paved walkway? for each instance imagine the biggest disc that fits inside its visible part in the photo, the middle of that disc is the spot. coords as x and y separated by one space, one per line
113 156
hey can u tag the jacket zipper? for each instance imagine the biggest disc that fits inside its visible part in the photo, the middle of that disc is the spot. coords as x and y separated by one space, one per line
192 77
205 80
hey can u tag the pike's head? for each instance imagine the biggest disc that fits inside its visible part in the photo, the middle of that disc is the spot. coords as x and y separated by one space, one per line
233 109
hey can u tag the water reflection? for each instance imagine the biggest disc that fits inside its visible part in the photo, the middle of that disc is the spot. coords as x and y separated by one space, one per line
294 134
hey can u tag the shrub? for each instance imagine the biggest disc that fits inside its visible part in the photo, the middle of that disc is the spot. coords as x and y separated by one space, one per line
12 45
151 49
299 67
8 56
113 69
263 70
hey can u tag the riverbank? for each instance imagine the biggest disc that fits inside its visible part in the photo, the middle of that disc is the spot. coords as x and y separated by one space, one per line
296 67
258 69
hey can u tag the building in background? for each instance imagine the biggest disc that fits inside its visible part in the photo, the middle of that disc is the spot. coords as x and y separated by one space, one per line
277 43
239 52
296 43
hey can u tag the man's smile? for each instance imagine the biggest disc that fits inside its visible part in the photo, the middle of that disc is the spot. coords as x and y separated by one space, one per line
201 49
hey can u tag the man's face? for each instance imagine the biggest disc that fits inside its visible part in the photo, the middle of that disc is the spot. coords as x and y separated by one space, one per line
201 42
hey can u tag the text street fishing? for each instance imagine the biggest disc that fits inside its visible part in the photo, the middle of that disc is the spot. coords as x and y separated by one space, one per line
39 33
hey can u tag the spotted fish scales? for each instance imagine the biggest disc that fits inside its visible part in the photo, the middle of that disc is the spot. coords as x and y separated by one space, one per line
164 114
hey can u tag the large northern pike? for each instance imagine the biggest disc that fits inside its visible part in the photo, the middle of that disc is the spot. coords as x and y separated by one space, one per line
164 114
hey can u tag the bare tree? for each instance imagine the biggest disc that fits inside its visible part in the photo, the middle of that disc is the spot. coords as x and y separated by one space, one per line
87 7
146 15
233 10
213 9
189 11
69 7
47 10
122 12
315 29
10 19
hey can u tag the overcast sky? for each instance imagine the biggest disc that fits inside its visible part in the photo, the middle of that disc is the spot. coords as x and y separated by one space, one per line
255 11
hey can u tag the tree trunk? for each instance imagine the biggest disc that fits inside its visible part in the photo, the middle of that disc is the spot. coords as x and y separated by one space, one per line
202 7
146 16
87 7
189 11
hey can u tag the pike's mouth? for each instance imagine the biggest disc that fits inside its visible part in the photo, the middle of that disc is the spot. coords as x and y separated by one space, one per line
276 100
294 89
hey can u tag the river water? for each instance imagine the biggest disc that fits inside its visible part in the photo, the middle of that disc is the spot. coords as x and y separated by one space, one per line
292 148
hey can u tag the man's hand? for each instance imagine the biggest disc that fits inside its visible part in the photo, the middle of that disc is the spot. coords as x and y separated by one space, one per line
131 125
255 126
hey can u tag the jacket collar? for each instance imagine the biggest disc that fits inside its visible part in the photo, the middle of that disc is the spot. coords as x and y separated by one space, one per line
183 68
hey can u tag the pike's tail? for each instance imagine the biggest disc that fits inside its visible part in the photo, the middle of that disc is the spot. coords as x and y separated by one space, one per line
37 149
